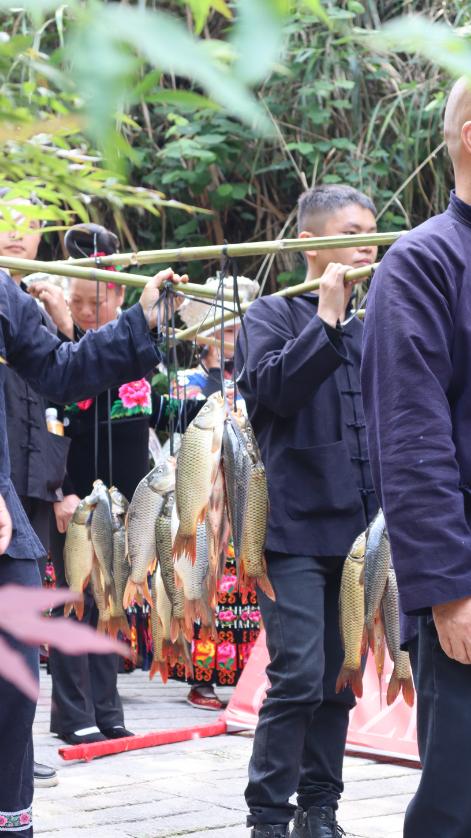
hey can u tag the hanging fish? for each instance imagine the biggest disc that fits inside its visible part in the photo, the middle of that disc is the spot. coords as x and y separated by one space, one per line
192 577
253 565
101 531
78 555
401 678
118 618
101 599
198 462
237 466
165 650
352 618
143 512
377 563
217 532
163 544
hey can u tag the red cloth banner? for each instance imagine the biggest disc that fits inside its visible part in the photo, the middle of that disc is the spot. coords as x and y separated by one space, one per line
375 729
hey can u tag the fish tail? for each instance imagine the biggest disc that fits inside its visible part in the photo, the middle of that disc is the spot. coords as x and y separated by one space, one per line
364 642
266 586
212 585
159 666
77 606
352 677
185 545
119 624
408 691
136 592
104 625
195 609
175 629
208 632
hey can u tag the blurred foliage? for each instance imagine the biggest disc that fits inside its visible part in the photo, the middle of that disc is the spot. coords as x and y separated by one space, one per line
233 106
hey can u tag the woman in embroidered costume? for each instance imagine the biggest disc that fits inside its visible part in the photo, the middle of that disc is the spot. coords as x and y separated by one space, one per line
218 663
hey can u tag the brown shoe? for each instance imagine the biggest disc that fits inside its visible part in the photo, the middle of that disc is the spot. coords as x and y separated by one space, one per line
204 702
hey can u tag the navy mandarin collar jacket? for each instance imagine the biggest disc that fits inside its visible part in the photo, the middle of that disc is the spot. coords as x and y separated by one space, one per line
417 398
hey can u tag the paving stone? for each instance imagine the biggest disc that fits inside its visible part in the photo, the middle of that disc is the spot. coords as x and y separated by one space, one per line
190 788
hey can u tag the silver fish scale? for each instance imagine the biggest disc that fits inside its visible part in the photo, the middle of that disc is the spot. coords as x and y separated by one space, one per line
377 563
193 576
143 512
101 530
390 608
163 543
121 567
237 464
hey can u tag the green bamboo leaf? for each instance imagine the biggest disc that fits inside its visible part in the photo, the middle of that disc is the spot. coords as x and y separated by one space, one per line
38 9
183 98
436 41
201 10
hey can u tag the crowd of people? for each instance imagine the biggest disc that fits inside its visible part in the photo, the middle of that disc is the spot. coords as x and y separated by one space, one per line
347 419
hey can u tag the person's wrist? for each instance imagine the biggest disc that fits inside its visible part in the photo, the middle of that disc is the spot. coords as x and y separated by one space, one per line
328 316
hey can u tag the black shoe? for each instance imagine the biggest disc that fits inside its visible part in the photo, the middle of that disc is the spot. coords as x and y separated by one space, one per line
117 732
44 776
81 738
317 822
270 830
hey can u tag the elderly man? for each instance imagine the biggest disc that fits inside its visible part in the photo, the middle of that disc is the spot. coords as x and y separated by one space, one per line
417 399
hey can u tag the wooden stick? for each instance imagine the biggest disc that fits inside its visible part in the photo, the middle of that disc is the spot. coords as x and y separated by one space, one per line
217 251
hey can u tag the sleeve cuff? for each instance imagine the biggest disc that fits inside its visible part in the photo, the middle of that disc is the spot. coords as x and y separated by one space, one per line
335 335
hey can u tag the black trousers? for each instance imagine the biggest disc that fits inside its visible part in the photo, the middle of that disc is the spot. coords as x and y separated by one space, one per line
16 722
84 687
441 807
39 515
302 728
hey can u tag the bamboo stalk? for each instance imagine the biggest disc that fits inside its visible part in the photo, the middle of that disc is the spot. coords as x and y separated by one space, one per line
355 275
68 269
216 251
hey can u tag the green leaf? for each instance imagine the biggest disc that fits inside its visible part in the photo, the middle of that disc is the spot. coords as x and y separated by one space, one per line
436 41
184 98
256 52
202 8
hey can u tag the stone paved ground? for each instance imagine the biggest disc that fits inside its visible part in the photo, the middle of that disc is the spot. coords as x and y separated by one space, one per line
193 788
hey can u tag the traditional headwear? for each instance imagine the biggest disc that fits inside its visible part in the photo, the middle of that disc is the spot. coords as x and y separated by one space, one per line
193 312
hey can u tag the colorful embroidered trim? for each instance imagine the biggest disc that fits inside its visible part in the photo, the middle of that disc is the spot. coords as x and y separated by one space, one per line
16 821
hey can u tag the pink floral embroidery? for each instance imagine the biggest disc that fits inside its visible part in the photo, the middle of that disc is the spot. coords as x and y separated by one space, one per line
255 616
228 584
226 651
85 404
245 615
227 616
3 820
136 393
25 818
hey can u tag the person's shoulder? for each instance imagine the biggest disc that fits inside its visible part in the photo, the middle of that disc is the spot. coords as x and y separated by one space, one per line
433 238
266 306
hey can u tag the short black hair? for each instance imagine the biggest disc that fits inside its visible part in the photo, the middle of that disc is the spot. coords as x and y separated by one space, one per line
326 199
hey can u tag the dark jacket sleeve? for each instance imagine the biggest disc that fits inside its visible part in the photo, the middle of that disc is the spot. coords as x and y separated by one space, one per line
406 374
281 368
63 372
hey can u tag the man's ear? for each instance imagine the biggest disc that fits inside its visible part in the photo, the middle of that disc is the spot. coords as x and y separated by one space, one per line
466 136
304 234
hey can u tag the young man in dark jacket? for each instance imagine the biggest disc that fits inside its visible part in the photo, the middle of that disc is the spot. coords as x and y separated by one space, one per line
300 378
117 352
417 394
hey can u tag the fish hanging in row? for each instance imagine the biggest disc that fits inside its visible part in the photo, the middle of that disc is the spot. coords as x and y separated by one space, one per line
369 614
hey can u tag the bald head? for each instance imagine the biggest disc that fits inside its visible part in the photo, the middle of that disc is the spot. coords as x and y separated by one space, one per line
457 125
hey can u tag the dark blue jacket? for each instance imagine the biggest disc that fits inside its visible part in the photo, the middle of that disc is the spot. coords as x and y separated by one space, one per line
121 351
300 380
417 396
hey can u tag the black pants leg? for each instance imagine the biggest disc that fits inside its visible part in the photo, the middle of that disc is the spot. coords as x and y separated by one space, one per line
39 512
16 722
441 807
84 687
303 659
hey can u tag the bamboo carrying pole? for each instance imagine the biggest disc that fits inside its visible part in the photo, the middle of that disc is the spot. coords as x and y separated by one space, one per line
26 266
217 251
355 276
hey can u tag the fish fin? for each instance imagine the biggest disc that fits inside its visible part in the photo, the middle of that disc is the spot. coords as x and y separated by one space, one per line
212 586
361 578
208 632
159 666
352 677
175 629
152 566
265 585
364 642
178 581
408 691
77 606
130 593
103 626
119 624
136 592
185 545
394 688
202 515
195 609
